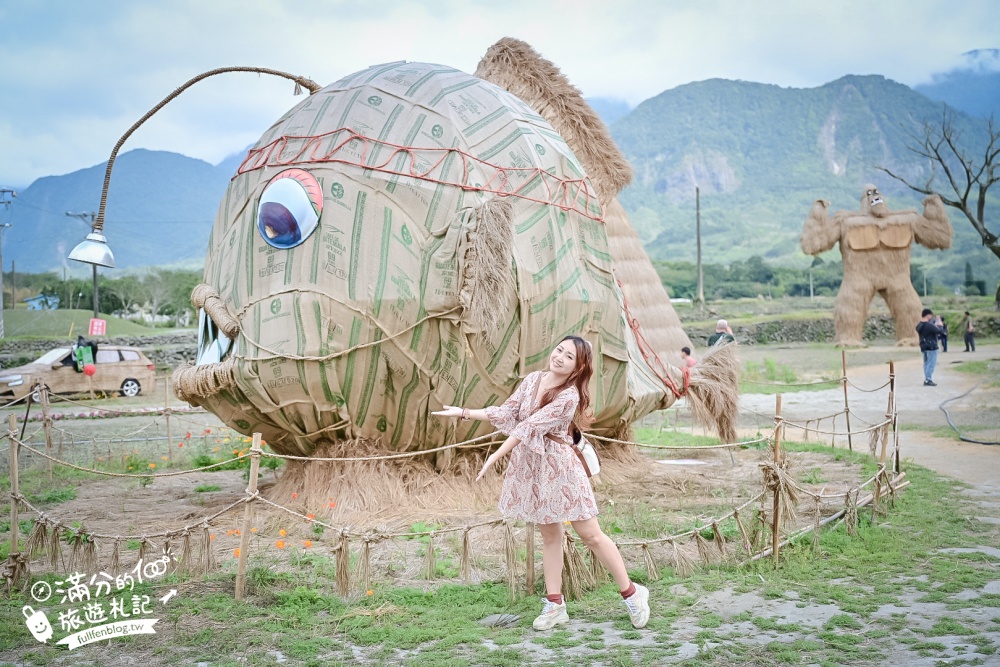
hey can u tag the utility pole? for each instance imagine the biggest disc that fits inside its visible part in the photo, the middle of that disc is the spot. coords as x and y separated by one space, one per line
701 277
6 198
92 216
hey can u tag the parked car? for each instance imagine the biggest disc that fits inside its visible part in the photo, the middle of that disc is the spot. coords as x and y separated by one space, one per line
116 369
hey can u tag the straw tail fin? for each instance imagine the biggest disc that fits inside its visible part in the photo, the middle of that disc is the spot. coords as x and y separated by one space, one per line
714 392
516 67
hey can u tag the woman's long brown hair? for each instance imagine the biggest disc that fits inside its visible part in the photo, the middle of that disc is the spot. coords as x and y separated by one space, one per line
579 378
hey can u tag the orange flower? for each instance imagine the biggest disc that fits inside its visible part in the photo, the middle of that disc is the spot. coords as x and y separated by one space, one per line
332 504
369 592
253 530
282 532
307 543
236 552
208 430
295 495
152 465
229 533
311 517
163 458
188 436
180 444
236 531
211 537
280 544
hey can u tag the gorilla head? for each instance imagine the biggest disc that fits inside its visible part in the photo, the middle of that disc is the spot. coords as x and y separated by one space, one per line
872 202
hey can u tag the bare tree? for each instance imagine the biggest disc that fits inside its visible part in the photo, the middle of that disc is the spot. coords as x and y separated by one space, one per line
968 176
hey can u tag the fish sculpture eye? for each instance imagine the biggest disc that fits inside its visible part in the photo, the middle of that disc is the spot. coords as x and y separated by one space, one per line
289 208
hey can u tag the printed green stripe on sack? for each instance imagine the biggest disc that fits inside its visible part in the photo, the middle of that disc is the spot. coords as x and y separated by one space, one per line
504 143
472 431
404 398
383 267
485 121
352 356
505 343
320 115
342 122
300 341
550 299
359 219
324 349
451 89
600 254
386 130
382 70
544 272
427 77
366 394
440 189
616 380
425 267
540 214
404 156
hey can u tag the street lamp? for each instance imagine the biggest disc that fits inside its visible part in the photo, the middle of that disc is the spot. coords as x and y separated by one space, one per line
5 202
93 250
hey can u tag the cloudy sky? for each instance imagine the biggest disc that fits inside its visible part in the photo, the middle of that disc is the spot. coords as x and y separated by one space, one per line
76 75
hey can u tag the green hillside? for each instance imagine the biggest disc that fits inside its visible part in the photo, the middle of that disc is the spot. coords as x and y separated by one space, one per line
761 154
65 324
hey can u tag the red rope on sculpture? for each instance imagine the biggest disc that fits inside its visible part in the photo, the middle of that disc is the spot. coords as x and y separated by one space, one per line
568 194
649 354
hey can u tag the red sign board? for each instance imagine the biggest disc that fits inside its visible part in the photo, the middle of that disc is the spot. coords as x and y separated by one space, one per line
97 327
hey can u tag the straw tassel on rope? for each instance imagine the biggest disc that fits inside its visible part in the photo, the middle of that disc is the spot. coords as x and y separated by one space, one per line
429 562
720 540
186 555
35 544
116 564
747 544
89 555
54 539
647 557
207 554
573 567
598 575
704 550
365 566
510 556
816 522
343 565
683 567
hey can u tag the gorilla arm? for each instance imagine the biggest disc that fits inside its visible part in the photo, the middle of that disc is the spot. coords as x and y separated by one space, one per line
819 233
933 229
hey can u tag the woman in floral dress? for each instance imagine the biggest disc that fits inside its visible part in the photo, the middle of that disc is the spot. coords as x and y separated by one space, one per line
545 482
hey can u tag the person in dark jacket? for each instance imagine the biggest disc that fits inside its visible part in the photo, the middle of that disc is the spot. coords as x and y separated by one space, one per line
929 332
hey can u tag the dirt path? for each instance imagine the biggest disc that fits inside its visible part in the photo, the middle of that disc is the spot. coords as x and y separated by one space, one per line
917 405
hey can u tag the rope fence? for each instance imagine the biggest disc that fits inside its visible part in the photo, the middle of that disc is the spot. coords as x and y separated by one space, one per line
761 528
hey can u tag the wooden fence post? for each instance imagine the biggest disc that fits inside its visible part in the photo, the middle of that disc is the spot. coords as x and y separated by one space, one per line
47 426
892 410
241 571
776 509
847 408
14 490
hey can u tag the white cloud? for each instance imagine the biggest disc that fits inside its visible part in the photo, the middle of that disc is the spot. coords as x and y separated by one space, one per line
77 78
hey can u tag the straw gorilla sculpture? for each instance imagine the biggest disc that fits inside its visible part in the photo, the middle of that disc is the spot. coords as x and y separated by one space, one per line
875 246
412 236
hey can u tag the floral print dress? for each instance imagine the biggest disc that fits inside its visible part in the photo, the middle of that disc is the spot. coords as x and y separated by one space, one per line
545 481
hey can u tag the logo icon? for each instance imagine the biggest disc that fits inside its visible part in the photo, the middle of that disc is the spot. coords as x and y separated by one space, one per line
275 306
405 233
337 190
38 623
374 100
437 131
540 149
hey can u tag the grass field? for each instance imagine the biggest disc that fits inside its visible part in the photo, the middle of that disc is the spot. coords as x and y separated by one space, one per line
66 324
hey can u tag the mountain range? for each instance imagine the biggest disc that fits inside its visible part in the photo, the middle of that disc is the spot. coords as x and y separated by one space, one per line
759 155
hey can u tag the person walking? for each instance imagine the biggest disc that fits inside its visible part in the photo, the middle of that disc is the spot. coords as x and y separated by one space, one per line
723 334
929 333
969 331
545 482
943 336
